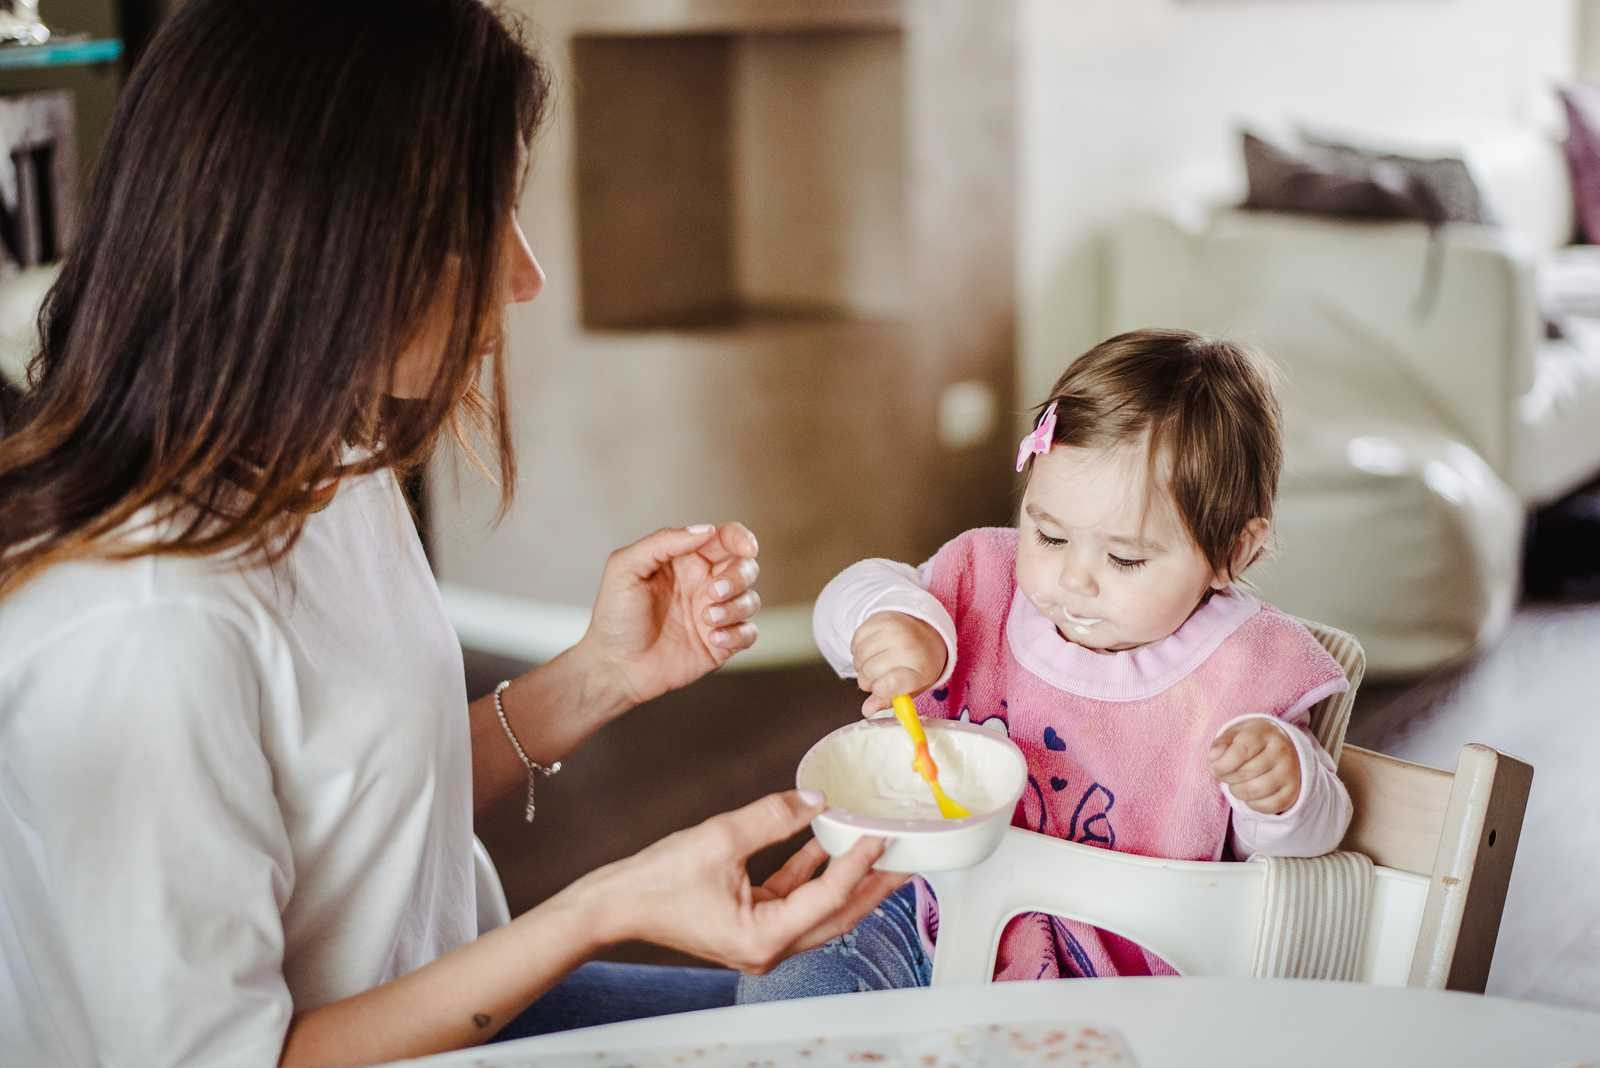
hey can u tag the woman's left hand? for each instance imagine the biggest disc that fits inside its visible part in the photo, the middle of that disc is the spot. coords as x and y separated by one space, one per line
673 606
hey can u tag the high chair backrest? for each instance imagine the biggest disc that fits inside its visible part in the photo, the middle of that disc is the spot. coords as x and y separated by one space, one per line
1330 717
1460 831
1441 848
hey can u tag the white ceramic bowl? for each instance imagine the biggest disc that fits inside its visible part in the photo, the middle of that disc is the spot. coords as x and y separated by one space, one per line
995 770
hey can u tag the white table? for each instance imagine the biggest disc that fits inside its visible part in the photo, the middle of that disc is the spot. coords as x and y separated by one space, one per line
1168 1022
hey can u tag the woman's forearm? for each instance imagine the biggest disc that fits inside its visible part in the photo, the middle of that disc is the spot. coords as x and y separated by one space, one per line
552 709
461 999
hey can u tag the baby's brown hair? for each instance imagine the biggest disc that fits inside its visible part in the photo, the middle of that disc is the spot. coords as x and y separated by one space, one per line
1210 410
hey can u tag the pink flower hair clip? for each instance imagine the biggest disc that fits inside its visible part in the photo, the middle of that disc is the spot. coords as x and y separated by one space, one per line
1038 443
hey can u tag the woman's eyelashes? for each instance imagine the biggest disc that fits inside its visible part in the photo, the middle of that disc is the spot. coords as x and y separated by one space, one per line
1116 561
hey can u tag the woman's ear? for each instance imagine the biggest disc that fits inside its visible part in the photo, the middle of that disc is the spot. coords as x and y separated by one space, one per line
1252 539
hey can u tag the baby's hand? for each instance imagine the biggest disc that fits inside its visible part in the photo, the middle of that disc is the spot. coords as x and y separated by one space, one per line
1257 762
895 653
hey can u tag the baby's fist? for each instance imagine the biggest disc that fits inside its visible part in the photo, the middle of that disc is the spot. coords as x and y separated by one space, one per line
1257 762
893 654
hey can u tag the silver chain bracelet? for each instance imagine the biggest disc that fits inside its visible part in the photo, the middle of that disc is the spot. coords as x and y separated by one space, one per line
535 769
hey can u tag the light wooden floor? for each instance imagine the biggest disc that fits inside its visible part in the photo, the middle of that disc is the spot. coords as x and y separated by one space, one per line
727 739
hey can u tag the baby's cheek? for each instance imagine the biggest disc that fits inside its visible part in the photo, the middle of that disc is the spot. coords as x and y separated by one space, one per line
1027 577
1155 614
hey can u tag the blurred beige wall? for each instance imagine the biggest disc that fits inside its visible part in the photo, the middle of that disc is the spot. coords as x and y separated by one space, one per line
1588 50
780 242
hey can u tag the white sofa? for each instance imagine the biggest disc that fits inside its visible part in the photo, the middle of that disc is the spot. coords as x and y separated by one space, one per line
1384 381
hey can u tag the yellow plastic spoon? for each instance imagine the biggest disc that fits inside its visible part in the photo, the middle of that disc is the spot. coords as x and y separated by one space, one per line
906 713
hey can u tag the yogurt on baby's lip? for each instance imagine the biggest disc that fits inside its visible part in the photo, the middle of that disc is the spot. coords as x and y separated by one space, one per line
868 772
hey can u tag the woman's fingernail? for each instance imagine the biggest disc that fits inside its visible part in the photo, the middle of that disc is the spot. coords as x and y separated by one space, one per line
716 613
719 637
812 798
700 528
722 588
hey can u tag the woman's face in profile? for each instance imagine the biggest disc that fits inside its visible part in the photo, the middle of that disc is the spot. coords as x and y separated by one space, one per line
524 278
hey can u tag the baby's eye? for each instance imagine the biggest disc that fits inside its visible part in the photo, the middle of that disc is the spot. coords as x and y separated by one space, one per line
1127 565
1047 541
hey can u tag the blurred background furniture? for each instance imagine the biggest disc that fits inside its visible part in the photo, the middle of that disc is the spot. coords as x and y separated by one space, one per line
48 149
1424 415
20 296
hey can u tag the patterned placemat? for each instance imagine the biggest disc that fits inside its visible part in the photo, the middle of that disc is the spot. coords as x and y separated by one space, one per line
1026 1045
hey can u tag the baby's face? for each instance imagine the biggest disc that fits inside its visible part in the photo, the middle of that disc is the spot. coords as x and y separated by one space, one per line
1110 564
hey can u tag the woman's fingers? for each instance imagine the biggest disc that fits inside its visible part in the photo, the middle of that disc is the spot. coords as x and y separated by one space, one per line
737 610
691 891
738 539
797 869
727 553
730 579
644 557
735 638
823 903
731 604
867 895
768 820
733 540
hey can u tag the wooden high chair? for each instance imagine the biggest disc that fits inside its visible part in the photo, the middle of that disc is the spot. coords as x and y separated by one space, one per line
1425 911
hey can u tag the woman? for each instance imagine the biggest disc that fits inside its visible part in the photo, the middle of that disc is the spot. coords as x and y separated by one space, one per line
236 781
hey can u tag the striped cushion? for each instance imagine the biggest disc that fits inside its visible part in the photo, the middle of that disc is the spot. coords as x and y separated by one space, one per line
1313 916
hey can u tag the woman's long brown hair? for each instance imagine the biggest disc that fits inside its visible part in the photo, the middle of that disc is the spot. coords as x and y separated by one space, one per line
291 192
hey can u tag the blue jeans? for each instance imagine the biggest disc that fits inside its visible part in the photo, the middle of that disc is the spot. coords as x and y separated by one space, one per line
884 952
602 992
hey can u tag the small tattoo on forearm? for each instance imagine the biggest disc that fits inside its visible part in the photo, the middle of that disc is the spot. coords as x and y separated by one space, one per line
481 1019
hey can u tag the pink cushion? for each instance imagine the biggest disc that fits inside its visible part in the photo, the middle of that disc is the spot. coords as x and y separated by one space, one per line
1583 155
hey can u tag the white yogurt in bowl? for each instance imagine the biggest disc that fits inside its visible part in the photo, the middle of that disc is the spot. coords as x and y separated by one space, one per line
865 772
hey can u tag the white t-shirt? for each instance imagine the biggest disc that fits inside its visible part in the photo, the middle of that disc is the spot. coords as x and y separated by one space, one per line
227 795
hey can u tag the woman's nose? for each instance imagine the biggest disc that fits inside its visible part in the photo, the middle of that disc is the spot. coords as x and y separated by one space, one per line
526 277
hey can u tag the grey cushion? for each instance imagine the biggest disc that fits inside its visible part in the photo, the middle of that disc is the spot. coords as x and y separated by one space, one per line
1312 181
1449 178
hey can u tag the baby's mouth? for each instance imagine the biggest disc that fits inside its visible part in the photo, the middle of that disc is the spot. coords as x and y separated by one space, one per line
1081 624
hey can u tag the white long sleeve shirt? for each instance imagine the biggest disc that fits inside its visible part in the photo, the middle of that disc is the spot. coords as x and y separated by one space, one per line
227 795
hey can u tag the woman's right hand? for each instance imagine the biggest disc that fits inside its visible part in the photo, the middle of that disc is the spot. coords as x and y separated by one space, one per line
692 892
893 654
